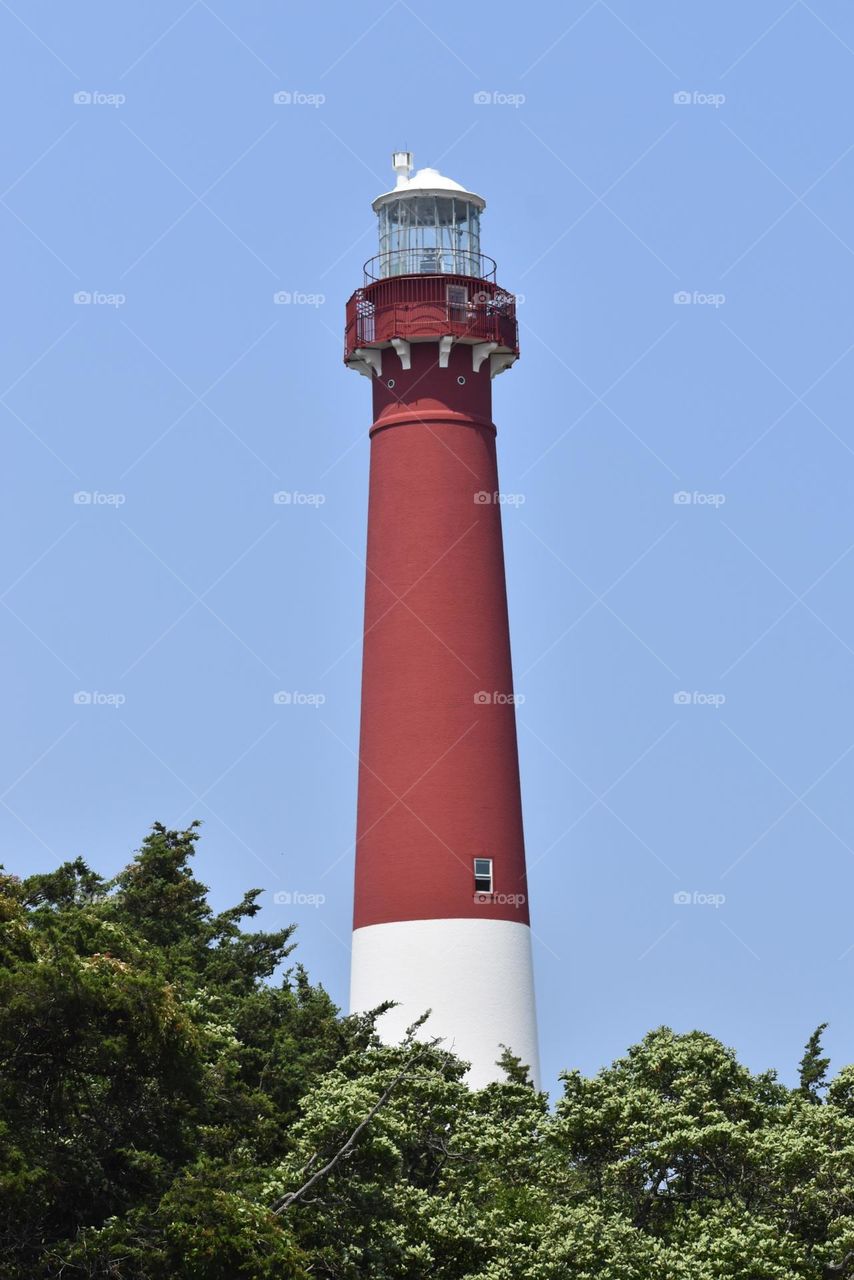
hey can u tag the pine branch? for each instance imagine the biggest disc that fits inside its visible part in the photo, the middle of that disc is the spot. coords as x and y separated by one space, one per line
293 1196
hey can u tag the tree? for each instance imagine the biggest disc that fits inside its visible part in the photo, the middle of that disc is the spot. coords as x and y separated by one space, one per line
145 1055
516 1071
813 1067
179 1102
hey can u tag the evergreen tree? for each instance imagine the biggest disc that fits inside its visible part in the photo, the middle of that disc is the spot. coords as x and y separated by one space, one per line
176 1104
813 1067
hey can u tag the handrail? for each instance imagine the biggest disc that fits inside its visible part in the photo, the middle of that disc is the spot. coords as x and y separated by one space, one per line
370 323
431 262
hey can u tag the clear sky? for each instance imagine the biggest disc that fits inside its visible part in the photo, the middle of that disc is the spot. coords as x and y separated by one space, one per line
629 154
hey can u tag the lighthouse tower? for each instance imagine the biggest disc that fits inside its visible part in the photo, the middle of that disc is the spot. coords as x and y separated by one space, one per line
441 900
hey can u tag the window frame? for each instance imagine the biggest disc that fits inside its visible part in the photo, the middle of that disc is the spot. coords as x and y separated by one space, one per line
479 878
457 302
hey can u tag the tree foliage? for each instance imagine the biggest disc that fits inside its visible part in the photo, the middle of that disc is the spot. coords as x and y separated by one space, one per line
179 1102
813 1066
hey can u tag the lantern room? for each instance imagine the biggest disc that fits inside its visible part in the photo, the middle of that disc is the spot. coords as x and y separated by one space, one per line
430 282
428 225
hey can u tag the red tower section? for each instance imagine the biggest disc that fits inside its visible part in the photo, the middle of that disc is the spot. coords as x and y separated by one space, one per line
439 828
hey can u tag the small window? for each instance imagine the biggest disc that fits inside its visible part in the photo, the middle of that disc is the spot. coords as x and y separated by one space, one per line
457 296
483 875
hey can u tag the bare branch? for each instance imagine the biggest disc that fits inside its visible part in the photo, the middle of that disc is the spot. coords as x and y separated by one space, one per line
293 1196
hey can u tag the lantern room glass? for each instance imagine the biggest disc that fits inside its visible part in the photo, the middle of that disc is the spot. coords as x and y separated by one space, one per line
429 235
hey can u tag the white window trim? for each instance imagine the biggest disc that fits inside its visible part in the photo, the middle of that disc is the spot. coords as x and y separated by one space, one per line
477 876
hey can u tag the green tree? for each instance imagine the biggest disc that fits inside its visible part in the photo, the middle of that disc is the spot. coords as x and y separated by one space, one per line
813 1066
146 1053
179 1102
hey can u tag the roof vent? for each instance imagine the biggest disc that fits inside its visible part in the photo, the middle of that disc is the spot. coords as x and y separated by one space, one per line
402 165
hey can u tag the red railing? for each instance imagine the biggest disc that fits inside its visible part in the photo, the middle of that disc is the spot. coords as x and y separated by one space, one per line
422 306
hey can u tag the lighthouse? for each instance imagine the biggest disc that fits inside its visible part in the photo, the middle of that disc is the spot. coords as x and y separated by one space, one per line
441 914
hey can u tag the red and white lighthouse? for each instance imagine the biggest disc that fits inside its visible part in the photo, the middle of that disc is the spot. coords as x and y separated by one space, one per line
441 902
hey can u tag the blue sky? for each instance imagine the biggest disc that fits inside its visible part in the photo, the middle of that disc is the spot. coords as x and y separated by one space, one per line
669 191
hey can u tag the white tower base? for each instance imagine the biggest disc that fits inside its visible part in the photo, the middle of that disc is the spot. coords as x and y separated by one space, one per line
475 975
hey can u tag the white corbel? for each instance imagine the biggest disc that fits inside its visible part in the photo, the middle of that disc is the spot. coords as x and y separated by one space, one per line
479 352
498 363
402 348
445 345
373 358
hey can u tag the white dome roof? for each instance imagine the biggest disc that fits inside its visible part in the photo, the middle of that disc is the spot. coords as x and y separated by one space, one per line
427 181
